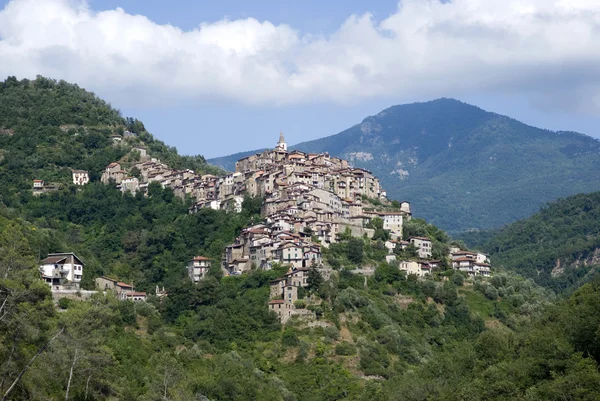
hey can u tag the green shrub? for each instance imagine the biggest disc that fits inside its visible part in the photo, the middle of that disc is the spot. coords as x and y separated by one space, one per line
331 332
345 349
64 303
300 304
289 338
458 279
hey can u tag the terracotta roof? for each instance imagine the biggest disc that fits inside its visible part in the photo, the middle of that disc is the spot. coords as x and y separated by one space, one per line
38 180
124 285
276 301
200 258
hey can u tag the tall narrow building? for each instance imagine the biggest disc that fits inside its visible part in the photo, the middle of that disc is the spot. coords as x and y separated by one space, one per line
281 145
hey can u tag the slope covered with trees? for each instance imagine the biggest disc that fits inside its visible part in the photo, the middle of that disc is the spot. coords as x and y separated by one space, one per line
558 247
462 167
390 337
48 128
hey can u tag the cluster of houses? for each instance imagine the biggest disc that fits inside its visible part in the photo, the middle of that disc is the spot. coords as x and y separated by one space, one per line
284 294
472 263
206 190
262 245
309 199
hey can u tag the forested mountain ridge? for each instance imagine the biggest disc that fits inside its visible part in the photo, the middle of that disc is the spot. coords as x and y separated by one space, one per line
558 247
462 167
48 128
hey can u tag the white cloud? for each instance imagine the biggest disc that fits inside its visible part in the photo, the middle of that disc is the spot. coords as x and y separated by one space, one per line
546 49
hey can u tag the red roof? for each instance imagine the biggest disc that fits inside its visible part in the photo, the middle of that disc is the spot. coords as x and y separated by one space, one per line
125 285
200 258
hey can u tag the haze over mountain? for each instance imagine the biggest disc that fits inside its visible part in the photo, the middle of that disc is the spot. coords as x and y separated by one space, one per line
462 167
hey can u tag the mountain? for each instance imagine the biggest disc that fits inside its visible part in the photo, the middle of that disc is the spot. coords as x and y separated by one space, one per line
462 167
228 162
558 247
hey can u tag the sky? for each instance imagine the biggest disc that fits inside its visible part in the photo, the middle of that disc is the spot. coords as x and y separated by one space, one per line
215 78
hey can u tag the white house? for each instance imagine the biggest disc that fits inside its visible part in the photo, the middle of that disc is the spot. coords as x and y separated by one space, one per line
198 268
419 269
80 177
392 221
59 269
423 245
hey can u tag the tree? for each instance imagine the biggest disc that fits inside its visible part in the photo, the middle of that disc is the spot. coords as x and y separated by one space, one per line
16 253
375 223
356 250
315 279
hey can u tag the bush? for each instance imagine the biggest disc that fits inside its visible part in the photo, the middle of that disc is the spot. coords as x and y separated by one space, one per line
289 338
64 303
331 332
458 279
345 349
350 299
491 293
300 304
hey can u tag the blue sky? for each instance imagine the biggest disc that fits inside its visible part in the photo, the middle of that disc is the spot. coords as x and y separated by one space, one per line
215 78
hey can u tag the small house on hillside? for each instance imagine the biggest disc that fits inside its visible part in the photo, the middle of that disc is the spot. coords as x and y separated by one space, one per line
80 177
61 270
198 268
122 291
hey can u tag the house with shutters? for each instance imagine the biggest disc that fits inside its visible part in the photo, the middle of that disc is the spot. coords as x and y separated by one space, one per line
423 246
62 270
198 268
80 177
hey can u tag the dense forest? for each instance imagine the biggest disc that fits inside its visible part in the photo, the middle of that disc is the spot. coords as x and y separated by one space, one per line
387 336
558 247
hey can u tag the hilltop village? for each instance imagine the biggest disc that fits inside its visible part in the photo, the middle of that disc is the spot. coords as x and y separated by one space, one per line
309 201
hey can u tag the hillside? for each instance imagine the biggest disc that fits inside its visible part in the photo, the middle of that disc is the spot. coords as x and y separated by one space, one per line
385 336
462 167
48 128
558 247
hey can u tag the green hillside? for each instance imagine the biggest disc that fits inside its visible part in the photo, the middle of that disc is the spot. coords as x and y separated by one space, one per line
462 167
389 337
48 128
385 336
559 246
